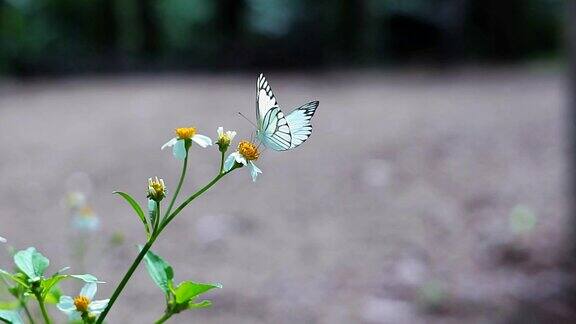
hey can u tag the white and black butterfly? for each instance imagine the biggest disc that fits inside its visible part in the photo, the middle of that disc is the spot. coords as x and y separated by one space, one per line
274 129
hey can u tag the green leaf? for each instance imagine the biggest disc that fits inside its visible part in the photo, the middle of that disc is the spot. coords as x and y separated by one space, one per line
202 304
136 208
31 262
11 276
87 278
49 283
18 277
159 270
53 296
188 290
11 305
10 317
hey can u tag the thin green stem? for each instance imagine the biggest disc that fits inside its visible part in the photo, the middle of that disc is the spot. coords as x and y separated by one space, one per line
189 200
164 318
42 308
20 300
157 218
153 238
180 182
126 277
27 311
221 161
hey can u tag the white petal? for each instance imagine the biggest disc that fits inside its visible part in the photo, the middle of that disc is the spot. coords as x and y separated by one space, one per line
240 159
89 290
202 140
98 306
254 171
66 304
220 131
74 316
231 134
3 240
230 160
169 143
179 149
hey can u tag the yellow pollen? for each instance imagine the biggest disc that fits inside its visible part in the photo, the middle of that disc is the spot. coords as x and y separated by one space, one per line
248 150
224 139
185 132
157 187
81 303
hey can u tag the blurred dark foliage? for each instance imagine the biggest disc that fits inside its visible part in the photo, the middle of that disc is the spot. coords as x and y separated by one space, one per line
71 36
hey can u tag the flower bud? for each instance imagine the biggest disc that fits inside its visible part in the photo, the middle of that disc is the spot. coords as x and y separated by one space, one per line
224 139
156 189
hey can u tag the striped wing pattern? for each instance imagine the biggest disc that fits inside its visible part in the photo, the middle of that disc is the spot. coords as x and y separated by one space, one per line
273 129
299 123
275 132
265 99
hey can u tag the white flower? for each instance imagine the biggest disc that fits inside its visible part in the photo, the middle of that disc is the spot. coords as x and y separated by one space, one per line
75 199
247 153
86 220
2 240
178 143
83 303
225 137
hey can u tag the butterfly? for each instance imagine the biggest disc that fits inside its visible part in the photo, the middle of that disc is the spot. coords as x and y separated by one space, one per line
276 130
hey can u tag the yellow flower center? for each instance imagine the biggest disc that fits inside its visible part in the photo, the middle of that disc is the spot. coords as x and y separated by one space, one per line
248 150
185 132
224 139
81 303
157 187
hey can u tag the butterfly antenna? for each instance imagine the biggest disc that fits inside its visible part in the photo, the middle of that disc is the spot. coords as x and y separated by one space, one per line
239 113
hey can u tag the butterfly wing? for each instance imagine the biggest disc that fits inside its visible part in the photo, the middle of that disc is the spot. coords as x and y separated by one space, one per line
275 132
265 99
299 123
273 129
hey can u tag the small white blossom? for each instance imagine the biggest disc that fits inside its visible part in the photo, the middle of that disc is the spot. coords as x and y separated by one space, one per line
83 303
178 143
247 153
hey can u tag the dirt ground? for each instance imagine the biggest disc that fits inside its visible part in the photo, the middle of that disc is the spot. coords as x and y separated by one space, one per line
399 209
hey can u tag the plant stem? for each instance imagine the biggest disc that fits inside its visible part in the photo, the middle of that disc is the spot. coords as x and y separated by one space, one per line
126 277
189 200
148 245
180 182
157 218
21 301
42 308
27 311
222 161
164 318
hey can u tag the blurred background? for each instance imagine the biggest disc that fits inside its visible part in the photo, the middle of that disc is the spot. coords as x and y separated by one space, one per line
55 37
433 189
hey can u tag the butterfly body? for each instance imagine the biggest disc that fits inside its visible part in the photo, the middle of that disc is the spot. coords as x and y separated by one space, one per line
276 130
